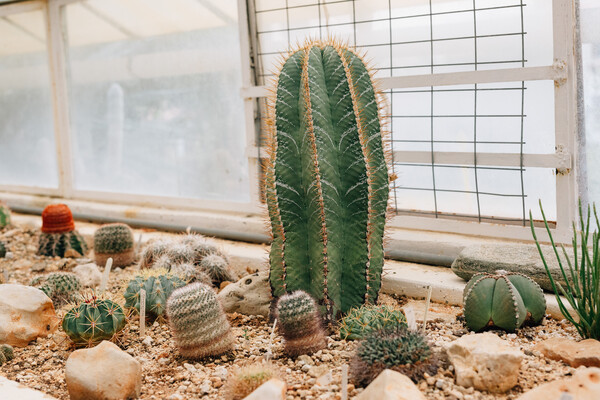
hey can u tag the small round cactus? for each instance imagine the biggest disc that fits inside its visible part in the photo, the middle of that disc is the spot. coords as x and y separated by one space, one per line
158 286
191 273
399 349
505 300
198 323
114 241
59 286
59 237
6 353
365 319
300 324
93 320
152 252
2 250
4 215
199 245
244 380
217 268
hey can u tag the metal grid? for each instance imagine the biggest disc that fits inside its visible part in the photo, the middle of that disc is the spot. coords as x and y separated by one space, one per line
442 198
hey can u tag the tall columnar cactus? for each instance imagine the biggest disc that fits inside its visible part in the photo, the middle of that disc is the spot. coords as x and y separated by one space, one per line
59 237
114 241
93 320
6 353
4 215
326 181
60 286
505 300
300 324
158 286
198 323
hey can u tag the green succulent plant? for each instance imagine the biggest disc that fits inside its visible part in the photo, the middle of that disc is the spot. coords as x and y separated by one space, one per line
2 250
59 286
398 349
6 353
4 215
93 320
114 241
327 182
198 323
158 286
505 300
59 244
363 320
300 323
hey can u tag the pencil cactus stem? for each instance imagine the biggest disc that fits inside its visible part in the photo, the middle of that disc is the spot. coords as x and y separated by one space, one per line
327 179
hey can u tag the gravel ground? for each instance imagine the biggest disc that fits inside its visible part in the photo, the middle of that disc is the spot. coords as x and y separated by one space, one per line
168 376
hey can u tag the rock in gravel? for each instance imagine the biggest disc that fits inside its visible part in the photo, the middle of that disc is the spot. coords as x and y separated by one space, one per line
273 389
104 372
485 362
88 274
585 353
523 258
26 313
583 385
391 385
251 295
13 390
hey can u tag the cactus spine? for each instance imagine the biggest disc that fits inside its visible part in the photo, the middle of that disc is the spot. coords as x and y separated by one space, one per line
300 324
198 323
4 215
93 321
114 241
505 300
158 286
59 237
327 180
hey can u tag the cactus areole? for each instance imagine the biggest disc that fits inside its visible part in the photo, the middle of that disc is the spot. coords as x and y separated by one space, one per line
326 181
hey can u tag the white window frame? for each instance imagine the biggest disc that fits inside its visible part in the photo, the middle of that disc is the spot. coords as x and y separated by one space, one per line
562 72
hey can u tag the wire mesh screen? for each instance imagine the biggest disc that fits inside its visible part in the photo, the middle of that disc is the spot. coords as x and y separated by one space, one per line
403 38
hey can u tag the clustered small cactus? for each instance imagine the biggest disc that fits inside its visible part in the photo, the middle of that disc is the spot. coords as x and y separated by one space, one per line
246 379
59 286
4 215
93 320
399 349
365 319
6 353
217 267
300 324
114 241
59 237
505 300
158 286
191 273
198 323
2 250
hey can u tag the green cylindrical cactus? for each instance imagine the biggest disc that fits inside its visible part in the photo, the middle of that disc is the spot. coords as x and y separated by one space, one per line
2 250
6 353
326 181
198 323
505 300
4 215
158 286
363 320
217 268
114 241
93 321
300 324
62 244
398 349
59 286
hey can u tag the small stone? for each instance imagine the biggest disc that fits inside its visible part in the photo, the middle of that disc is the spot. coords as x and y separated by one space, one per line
38 267
221 372
391 385
440 384
22 264
251 295
147 341
485 361
325 379
88 274
90 374
175 396
305 359
206 386
273 389
576 354
583 385
189 367
13 390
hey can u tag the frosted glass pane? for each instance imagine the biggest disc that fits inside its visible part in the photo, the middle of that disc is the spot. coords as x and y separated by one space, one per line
27 147
155 102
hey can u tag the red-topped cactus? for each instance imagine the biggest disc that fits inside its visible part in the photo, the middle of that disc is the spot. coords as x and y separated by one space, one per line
59 237
57 218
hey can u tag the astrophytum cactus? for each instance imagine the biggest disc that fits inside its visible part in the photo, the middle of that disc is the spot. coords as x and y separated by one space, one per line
326 181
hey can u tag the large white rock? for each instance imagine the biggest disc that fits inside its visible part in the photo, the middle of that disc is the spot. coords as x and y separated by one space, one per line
104 372
583 385
251 295
89 275
391 385
485 362
12 390
26 313
273 389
